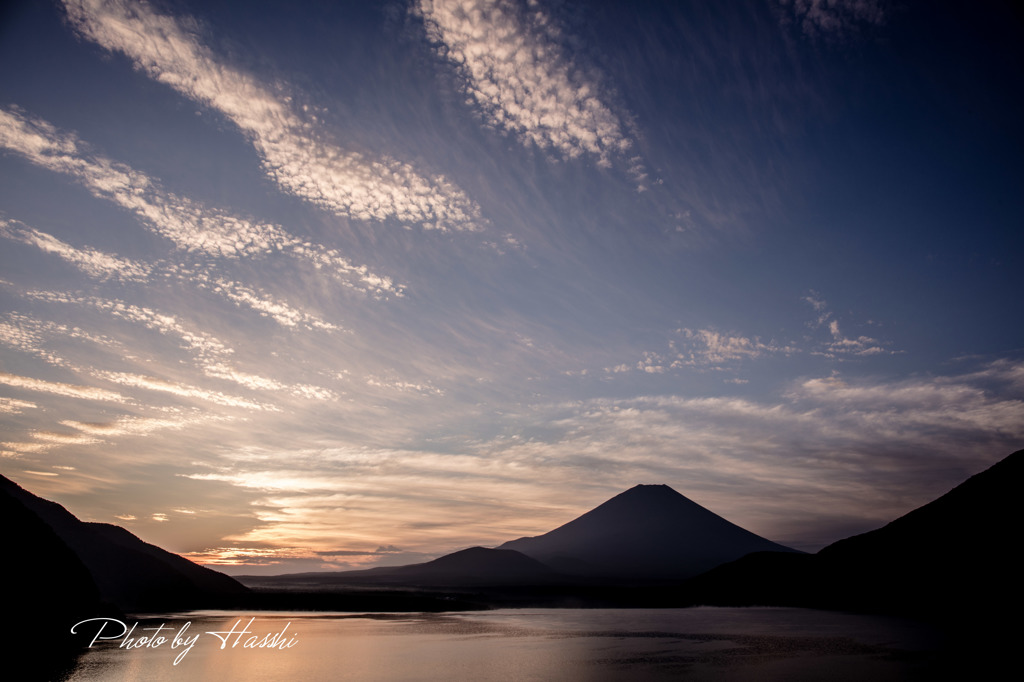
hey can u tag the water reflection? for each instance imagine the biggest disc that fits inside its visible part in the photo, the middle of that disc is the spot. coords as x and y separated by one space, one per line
542 644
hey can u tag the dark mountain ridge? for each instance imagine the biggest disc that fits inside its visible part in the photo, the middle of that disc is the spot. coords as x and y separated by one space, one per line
127 573
949 559
471 567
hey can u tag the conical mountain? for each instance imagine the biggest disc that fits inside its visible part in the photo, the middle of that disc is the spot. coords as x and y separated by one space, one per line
649 532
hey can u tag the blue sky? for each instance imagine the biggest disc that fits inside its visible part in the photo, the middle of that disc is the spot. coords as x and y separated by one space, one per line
289 286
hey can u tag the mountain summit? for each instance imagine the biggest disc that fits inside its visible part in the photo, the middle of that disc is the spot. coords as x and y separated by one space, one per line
647 532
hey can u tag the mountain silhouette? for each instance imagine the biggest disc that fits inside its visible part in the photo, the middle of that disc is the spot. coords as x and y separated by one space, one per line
47 588
957 551
475 566
950 558
106 560
649 532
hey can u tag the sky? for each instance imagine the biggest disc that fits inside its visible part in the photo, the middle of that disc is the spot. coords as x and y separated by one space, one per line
325 285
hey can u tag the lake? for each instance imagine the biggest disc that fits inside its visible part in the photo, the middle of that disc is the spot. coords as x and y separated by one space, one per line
572 645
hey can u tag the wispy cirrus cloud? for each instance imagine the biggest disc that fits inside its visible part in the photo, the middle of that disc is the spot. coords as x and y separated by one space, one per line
264 304
97 433
835 17
91 261
26 334
649 363
278 559
61 389
103 266
403 386
140 426
712 348
705 349
521 79
840 344
14 449
181 390
54 439
15 406
29 335
189 225
296 152
211 355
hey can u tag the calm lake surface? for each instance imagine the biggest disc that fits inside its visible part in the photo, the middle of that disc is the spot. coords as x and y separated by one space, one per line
516 644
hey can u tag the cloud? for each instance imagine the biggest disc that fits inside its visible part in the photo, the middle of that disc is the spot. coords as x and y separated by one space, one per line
181 390
389 549
403 386
840 344
703 349
835 17
267 306
522 80
92 262
296 154
140 426
956 409
211 355
815 300
250 558
14 449
26 334
1003 372
103 266
862 345
710 348
188 225
15 406
63 438
223 557
61 389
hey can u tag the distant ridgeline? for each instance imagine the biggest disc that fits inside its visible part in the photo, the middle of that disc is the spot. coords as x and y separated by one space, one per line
648 546
651 546
59 570
106 560
954 558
